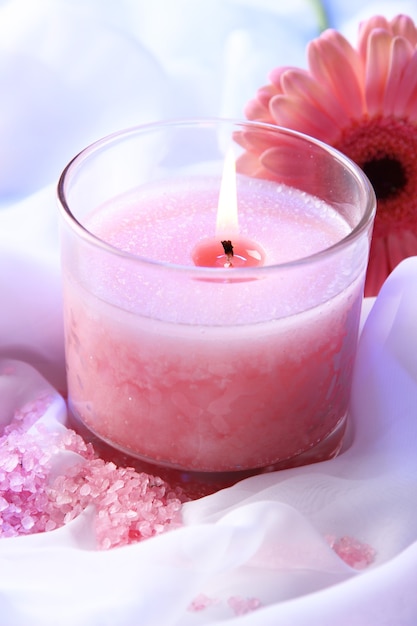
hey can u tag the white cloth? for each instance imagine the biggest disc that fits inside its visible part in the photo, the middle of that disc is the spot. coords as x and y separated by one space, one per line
71 71
264 538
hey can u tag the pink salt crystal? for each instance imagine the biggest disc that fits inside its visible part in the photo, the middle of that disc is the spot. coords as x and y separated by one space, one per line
28 462
353 552
108 500
50 525
72 487
118 484
241 606
68 517
27 522
9 462
201 602
16 482
85 490
105 484
114 508
32 411
63 498
106 543
44 458
3 504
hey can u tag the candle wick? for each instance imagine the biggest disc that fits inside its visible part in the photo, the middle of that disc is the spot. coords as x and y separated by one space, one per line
228 250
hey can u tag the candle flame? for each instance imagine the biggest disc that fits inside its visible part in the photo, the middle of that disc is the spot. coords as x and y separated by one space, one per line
227 225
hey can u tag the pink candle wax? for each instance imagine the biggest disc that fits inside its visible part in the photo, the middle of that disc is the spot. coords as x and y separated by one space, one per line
211 370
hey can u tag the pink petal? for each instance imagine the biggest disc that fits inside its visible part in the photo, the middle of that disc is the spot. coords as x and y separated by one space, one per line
404 26
366 29
283 164
401 52
303 116
407 92
337 66
378 60
407 87
277 73
258 108
247 163
378 267
265 93
399 246
301 84
386 253
410 110
255 110
409 243
256 144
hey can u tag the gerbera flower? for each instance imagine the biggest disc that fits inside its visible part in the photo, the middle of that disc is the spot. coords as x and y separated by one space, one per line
363 101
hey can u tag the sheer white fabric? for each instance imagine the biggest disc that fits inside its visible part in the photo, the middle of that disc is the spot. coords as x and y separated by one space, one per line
266 538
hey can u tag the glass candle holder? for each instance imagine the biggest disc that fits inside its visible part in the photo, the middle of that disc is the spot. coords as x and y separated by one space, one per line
205 344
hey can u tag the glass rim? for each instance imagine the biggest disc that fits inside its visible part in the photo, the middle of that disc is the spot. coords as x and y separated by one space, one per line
90 150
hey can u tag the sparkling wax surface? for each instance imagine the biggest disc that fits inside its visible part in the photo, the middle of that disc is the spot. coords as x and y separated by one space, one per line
164 224
202 375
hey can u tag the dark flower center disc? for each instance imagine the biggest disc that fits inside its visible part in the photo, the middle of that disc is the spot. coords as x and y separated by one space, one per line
387 176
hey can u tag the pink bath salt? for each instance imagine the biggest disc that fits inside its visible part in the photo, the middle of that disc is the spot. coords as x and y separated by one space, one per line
139 507
241 606
201 602
353 552
29 413
31 501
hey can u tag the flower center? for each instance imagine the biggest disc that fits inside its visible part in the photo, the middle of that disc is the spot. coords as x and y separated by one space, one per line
387 176
385 148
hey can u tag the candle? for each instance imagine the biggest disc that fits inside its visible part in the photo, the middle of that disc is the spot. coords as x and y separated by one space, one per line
187 354
221 251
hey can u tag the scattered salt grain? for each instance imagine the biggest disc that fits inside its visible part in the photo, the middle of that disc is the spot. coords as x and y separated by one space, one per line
201 602
238 604
241 606
353 552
